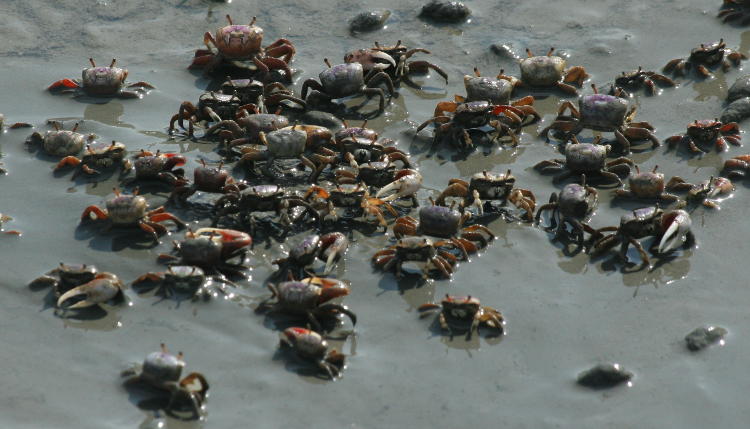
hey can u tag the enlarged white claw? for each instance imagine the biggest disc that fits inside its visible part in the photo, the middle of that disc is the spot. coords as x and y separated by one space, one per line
677 231
104 287
385 57
407 184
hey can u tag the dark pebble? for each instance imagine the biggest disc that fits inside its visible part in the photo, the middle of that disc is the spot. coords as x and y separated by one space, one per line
737 110
323 119
703 337
504 50
740 88
604 376
445 11
369 21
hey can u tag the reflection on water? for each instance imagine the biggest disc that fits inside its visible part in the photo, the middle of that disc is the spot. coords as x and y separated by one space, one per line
107 113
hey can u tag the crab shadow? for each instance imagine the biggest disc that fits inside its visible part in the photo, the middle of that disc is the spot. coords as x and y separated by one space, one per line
145 397
457 339
296 365
106 238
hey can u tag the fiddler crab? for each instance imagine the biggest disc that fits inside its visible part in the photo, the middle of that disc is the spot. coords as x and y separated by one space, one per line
184 398
187 280
98 155
547 71
101 82
328 248
445 222
205 179
572 206
361 145
707 132
589 159
405 183
705 192
498 92
312 347
262 198
456 118
435 255
705 56
464 313
344 80
310 298
671 229
245 127
601 112
291 143
638 78
77 286
213 107
60 142
485 187
393 60
158 166
132 210
735 11
737 166
264 97
352 198
240 46
212 249
647 185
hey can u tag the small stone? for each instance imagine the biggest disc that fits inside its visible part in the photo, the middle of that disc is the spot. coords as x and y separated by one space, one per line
504 50
369 21
737 110
323 119
604 376
740 88
445 11
703 337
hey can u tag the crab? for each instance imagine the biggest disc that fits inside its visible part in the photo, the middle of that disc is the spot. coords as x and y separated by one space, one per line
589 159
212 107
361 145
246 127
405 183
261 198
705 56
704 192
264 97
547 71
310 298
59 142
212 249
240 46
434 255
354 198
101 82
572 207
671 230
489 186
637 79
372 173
132 210
161 371
327 247
601 112
707 132
647 185
206 179
737 166
5 218
184 280
158 166
464 313
98 155
505 119
289 143
65 277
102 288
344 80
393 60
498 92
311 346
736 11
445 222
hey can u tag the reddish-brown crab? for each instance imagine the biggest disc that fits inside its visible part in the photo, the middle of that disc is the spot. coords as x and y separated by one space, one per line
735 11
638 78
310 346
707 55
240 46
547 71
393 60
327 247
705 192
132 210
464 313
206 179
434 256
707 132
212 107
101 82
738 166
98 155
212 249
354 198
158 166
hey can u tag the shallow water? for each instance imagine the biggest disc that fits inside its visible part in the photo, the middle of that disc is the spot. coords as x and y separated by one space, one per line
564 314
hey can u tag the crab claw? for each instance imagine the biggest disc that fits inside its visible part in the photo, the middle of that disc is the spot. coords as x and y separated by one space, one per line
104 287
407 184
676 225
